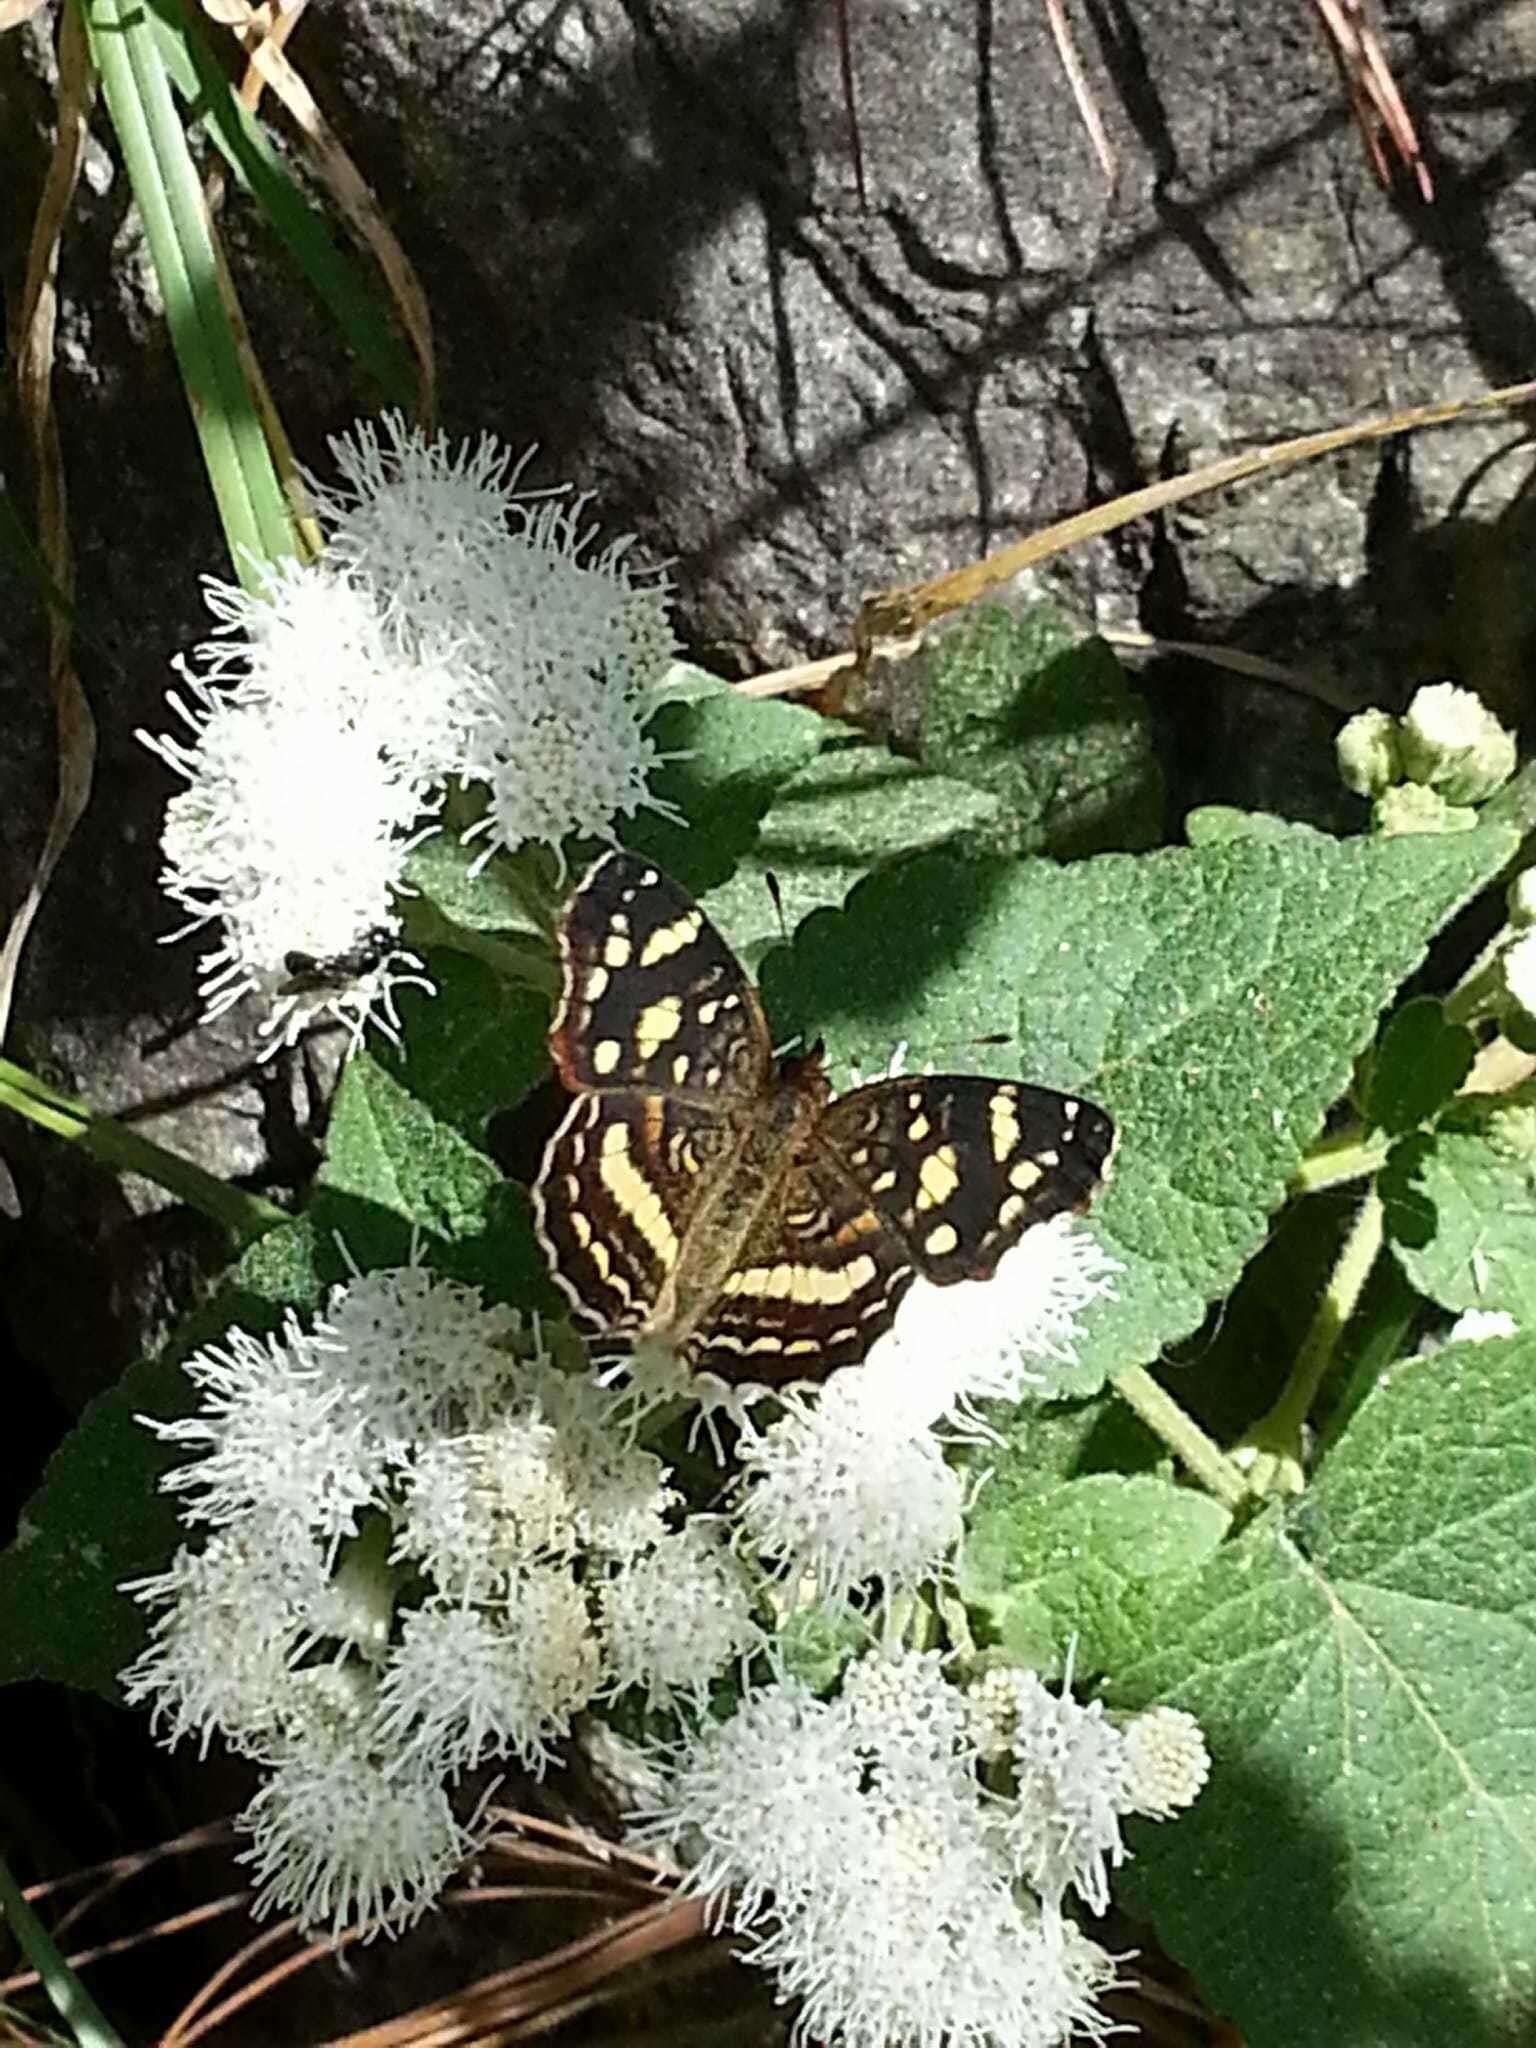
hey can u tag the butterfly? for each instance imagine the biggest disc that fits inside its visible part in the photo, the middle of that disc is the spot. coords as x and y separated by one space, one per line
701 1195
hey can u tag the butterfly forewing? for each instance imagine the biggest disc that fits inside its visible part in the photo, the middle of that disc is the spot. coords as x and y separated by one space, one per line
961 1166
652 998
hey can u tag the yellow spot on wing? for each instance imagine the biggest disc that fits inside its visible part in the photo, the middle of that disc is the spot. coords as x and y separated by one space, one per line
596 984
1004 1122
606 1055
668 939
656 1023
616 950
938 1178
919 1128
638 1202
941 1240
1027 1174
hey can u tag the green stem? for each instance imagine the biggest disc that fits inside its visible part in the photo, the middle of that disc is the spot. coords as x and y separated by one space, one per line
1347 1155
528 962
71 2001
1480 991
1272 1450
1183 1435
115 1144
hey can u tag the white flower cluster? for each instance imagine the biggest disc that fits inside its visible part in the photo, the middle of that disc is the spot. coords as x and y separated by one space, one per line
453 631
427 1547
865 1848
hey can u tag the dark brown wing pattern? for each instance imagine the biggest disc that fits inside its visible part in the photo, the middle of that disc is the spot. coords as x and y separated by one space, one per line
813 1287
962 1166
621 1182
652 998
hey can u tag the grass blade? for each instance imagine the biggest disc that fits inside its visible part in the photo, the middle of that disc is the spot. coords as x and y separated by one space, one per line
127 54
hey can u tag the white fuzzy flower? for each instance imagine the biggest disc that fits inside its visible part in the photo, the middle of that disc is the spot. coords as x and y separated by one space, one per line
863 1863
1478 1325
1071 1788
454 630
235 1616
281 1443
478 1507
676 1618
465 1684
415 521
342 1835
292 835
558 649
950 1347
419 1353
844 1487
575 653
1452 742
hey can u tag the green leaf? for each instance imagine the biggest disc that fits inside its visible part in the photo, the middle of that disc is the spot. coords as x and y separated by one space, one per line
1361 1868
99 1517
1419 1062
1048 1566
1460 1206
395 1172
855 805
472 1050
242 141
1220 824
1032 710
1212 999
730 754
481 899
126 51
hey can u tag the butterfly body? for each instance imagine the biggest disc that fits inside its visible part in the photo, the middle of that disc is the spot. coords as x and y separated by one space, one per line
702 1195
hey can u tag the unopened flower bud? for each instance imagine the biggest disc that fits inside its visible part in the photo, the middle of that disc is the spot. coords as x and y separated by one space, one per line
1368 754
1451 742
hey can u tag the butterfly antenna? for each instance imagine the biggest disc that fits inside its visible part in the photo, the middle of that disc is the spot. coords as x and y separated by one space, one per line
772 882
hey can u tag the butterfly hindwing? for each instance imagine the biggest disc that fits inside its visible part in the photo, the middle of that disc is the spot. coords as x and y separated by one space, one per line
620 1184
961 1166
652 998
812 1289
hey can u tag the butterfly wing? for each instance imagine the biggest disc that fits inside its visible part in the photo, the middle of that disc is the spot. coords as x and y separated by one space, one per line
621 1181
937 1175
662 1038
960 1166
652 998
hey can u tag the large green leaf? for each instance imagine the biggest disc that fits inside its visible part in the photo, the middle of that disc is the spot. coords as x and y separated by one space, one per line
1213 999
855 805
1046 1568
1360 1870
